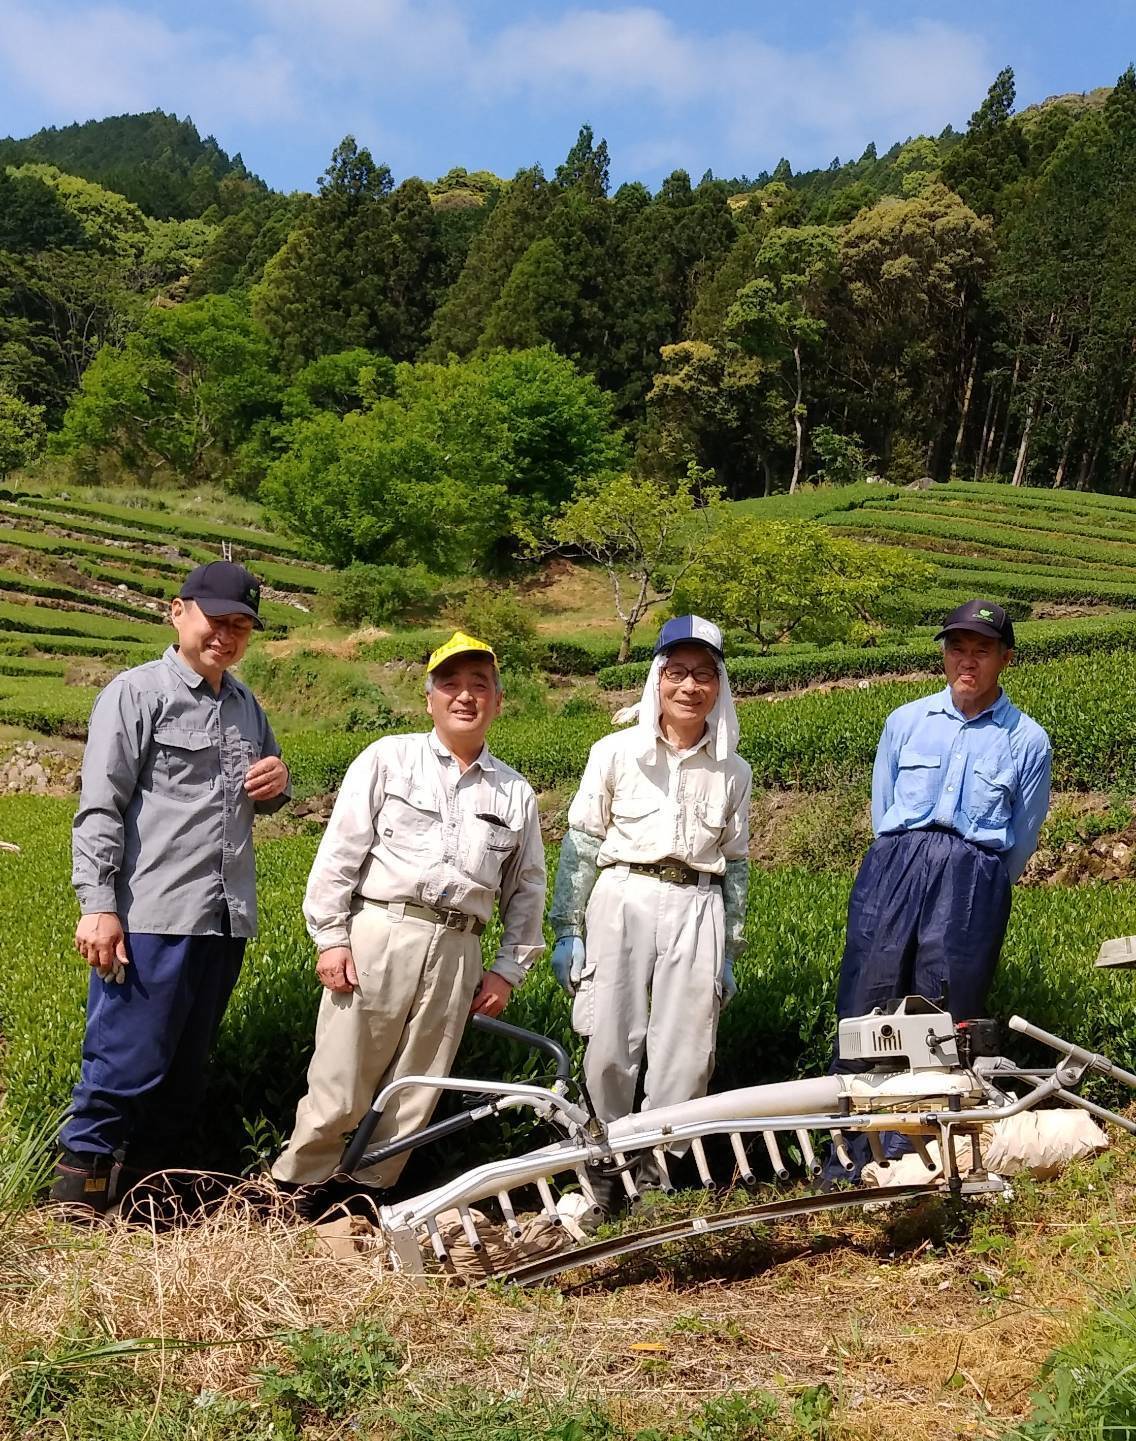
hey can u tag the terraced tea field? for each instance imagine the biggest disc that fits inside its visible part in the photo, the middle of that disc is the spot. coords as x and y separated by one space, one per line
78 578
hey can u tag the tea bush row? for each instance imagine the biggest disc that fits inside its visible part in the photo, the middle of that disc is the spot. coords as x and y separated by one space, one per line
117 652
1006 514
169 523
17 583
787 670
1089 709
63 545
22 665
34 619
780 1025
995 538
1039 498
45 704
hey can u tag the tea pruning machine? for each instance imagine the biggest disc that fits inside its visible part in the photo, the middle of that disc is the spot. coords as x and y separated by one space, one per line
932 1080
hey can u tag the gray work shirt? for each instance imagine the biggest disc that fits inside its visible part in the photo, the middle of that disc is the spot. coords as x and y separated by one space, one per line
163 834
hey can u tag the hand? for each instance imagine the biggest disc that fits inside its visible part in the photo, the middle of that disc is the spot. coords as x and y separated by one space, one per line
491 996
266 778
568 962
99 939
336 969
729 985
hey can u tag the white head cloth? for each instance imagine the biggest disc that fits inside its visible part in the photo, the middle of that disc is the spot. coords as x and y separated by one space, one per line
722 722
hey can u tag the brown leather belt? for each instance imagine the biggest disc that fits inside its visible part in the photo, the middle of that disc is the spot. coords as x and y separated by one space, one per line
451 920
677 873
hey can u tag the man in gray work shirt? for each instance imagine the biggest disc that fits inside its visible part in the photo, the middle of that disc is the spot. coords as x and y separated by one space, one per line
179 758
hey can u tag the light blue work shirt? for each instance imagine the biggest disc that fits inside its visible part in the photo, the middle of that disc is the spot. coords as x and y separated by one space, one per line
985 778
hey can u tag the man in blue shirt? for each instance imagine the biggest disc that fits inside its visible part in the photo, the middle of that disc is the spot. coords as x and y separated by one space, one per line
959 791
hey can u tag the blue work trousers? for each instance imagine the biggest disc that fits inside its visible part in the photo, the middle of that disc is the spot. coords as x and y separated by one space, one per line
927 917
146 1047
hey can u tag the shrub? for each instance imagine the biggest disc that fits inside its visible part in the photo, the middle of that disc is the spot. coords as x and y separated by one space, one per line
500 619
374 594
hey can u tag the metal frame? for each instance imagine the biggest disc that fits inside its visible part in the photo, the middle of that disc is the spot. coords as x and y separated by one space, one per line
968 1098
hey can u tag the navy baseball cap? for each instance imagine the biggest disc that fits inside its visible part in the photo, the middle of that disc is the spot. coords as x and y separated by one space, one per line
222 588
984 616
689 630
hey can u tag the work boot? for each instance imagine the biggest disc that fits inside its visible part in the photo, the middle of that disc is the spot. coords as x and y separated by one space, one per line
81 1181
649 1176
608 1191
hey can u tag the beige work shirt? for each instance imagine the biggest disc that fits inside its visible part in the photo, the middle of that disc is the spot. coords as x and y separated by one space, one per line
410 825
647 804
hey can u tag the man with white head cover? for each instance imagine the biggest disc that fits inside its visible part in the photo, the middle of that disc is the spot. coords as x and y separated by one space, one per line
649 905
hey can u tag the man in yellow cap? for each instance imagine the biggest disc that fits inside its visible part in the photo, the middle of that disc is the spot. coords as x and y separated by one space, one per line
427 832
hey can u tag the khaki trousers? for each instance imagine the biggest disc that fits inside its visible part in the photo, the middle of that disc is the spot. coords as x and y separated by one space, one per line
651 987
406 1017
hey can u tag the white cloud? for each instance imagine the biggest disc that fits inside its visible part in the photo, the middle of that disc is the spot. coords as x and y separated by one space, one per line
102 59
394 71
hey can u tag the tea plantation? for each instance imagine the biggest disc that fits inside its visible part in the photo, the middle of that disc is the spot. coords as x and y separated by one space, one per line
82 585
780 1025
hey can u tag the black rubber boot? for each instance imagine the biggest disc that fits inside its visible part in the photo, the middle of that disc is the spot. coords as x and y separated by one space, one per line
649 1176
608 1190
81 1181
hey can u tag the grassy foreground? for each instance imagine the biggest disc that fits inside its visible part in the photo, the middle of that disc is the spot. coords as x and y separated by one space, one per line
908 1324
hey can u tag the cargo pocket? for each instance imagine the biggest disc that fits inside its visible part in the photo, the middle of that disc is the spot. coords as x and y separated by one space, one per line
584 1002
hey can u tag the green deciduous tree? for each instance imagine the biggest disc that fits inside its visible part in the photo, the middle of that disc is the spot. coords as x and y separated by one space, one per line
453 468
22 433
645 533
183 393
779 316
778 581
722 408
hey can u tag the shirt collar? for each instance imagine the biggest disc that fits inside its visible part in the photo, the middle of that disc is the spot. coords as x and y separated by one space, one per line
194 679
702 743
484 759
944 702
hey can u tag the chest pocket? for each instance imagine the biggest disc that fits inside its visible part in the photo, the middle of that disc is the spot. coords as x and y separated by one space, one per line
917 781
989 793
186 761
408 812
635 807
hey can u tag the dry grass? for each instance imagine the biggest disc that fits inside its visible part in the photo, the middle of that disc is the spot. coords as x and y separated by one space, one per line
918 1338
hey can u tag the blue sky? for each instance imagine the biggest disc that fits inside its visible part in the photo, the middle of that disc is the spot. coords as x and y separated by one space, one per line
428 84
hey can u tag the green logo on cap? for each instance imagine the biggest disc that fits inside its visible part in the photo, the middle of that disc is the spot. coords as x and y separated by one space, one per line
985 614
252 595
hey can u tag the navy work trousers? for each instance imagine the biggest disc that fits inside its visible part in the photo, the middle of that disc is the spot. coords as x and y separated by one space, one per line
927 917
146 1045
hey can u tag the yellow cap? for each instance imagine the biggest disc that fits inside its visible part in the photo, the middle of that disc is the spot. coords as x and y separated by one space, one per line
459 644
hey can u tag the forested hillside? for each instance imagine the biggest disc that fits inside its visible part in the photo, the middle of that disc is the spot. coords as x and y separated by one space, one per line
958 306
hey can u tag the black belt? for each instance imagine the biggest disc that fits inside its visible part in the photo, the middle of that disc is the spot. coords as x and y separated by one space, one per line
676 873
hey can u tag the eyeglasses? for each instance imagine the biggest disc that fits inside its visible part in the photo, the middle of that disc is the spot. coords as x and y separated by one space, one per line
700 674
